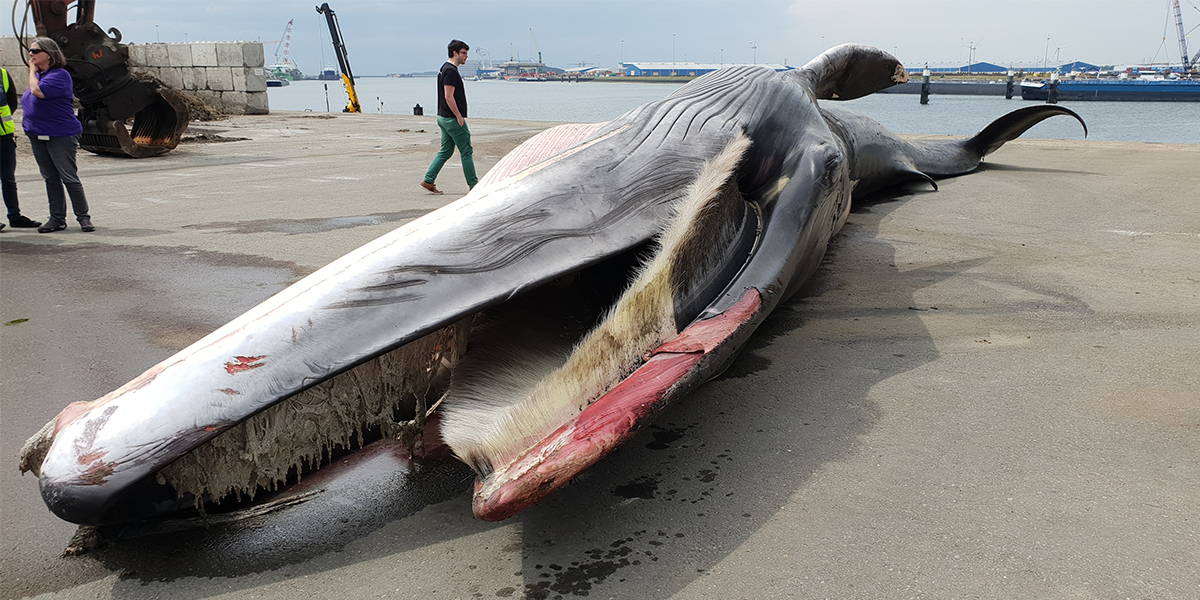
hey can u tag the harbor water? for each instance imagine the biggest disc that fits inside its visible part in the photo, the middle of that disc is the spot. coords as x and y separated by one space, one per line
594 101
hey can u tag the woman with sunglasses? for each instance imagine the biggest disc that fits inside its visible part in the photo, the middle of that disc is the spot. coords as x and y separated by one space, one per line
53 130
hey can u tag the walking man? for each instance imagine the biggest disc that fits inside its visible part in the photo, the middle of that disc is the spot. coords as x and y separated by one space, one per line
452 119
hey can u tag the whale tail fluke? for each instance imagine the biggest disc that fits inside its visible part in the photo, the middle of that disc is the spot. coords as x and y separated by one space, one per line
947 158
1012 125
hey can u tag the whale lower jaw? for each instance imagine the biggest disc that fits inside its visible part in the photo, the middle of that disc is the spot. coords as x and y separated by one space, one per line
674 368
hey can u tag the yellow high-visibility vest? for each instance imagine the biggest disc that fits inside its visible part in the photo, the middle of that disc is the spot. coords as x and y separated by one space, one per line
7 127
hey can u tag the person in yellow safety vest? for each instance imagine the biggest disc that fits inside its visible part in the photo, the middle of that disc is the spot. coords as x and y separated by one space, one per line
8 156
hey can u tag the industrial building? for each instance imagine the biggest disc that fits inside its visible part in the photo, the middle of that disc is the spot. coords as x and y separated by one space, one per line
986 68
682 69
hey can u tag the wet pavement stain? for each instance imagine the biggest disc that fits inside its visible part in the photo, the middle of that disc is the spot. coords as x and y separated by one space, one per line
663 437
556 581
302 226
643 489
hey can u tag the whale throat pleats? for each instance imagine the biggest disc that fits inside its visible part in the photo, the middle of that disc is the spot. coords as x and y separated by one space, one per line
512 390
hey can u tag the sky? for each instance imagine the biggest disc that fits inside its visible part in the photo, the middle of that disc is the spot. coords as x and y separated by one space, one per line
404 36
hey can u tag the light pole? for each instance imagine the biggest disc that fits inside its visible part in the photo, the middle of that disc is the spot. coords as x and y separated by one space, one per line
672 55
160 39
755 49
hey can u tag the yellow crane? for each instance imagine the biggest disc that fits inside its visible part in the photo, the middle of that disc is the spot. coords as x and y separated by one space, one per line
343 61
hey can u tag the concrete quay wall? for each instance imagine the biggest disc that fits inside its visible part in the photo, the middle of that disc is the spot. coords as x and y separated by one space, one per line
230 77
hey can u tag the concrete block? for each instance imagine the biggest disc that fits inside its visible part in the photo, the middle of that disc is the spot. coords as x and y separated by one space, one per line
200 77
220 79
249 79
204 54
180 55
253 55
234 102
142 70
10 53
230 103
229 54
137 55
257 104
209 97
171 76
188 74
156 55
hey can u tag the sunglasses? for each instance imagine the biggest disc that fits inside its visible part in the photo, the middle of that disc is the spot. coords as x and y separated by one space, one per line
36 51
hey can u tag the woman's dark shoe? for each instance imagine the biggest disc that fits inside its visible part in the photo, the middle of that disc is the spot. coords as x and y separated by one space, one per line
52 225
23 221
85 224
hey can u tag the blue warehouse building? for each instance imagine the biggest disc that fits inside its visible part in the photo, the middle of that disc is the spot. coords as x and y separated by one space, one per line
682 69
994 69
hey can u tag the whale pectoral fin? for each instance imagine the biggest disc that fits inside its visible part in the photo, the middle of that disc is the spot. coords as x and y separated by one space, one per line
851 71
914 175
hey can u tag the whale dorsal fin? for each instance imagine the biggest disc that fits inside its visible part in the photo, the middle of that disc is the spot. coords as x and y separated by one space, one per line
851 71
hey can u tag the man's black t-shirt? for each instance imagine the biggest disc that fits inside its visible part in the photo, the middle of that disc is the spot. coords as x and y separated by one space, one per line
449 76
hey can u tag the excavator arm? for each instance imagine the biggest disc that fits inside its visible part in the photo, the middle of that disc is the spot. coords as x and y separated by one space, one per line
120 115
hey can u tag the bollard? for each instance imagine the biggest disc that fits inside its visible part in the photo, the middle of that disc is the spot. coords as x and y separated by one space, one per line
1008 88
418 111
925 86
1052 93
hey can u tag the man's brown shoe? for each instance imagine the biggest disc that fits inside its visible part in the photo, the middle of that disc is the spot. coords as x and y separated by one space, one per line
432 188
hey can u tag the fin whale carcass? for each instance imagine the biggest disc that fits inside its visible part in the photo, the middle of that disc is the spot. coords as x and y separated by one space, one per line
595 274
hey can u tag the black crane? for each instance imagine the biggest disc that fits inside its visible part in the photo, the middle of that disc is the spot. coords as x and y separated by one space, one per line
339 48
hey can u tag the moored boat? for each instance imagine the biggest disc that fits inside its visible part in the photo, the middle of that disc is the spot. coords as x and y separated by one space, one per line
1116 90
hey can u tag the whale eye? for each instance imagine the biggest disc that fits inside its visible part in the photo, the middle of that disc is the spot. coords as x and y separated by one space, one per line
832 163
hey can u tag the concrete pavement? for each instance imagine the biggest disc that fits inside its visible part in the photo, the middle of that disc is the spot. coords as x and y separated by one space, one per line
987 391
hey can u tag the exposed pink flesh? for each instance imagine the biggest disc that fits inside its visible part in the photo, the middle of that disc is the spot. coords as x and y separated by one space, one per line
607 422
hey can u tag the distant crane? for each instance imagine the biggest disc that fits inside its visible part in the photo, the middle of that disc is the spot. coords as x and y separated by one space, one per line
539 52
1183 53
339 48
1188 64
286 44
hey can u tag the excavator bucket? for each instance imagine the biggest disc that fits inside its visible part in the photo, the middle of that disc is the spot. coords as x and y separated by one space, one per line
156 128
120 114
